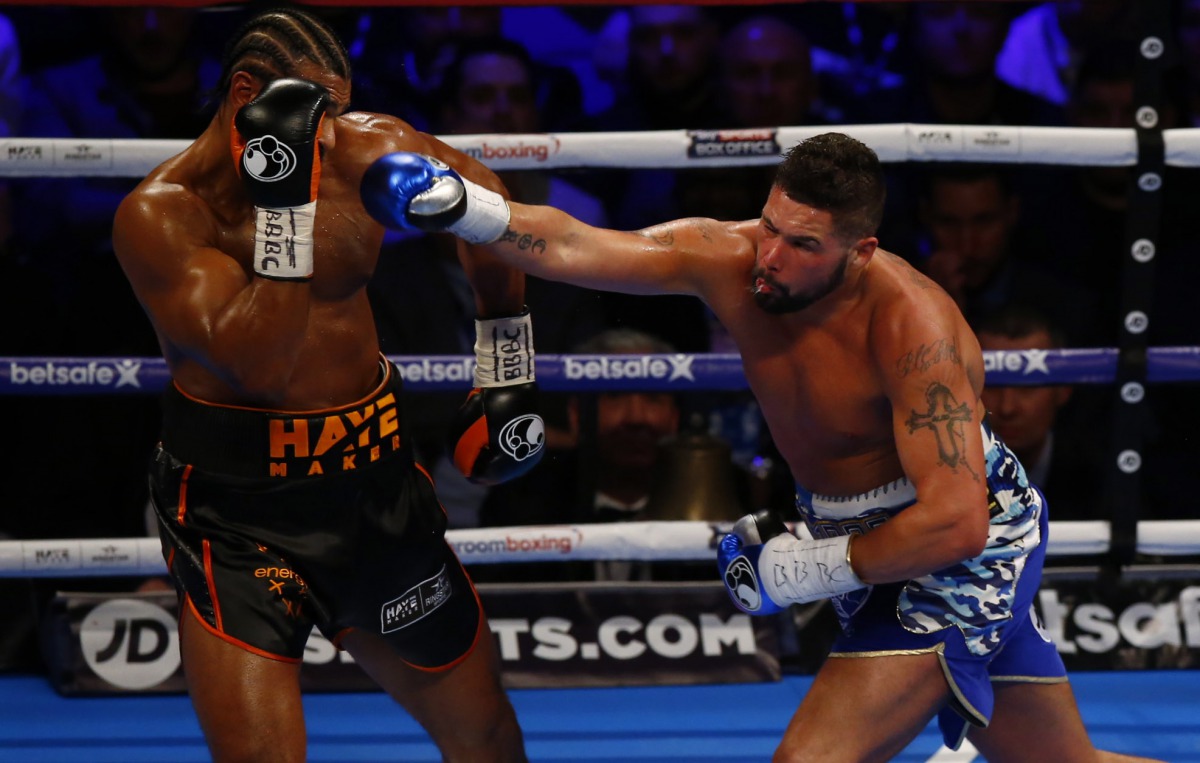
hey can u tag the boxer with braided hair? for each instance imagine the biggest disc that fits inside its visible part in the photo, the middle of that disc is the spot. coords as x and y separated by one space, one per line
284 485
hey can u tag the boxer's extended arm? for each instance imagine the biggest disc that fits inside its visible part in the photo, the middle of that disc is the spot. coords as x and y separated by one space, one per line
673 258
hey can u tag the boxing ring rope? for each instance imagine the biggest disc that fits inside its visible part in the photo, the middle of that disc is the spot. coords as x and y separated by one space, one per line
649 541
672 149
26 157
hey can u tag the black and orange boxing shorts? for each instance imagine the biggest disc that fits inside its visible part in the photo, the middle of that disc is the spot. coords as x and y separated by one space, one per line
274 522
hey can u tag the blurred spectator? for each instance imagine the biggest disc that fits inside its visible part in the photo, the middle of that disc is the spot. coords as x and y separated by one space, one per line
18 642
148 81
622 456
977 252
1047 44
670 71
766 77
490 86
400 57
954 46
1189 44
950 79
669 83
1064 458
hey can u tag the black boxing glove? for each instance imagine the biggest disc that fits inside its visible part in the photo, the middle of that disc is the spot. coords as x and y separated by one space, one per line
498 434
278 157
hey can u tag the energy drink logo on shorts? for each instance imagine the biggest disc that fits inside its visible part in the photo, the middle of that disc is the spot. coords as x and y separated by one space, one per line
337 442
709 144
417 602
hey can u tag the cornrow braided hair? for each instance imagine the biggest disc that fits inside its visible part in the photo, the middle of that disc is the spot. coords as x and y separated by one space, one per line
276 42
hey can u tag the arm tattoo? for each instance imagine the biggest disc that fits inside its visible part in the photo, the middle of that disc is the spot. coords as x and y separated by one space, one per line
666 238
926 355
524 241
945 418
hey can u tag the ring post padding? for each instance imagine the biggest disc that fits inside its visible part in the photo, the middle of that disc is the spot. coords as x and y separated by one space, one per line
1142 238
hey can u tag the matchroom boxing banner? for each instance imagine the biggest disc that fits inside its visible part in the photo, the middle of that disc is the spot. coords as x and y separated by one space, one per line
546 635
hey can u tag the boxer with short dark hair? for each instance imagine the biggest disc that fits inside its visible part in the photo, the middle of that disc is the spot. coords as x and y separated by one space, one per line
927 536
285 488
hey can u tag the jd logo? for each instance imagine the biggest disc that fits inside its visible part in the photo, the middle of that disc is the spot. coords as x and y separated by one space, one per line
129 643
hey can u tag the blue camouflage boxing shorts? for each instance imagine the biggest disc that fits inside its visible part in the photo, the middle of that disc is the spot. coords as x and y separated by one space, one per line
977 615
273 522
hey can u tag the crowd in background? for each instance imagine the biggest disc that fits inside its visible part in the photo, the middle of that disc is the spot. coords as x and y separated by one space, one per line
1032 254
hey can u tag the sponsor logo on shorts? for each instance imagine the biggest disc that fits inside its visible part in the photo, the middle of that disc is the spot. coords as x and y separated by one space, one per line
417 602
1016 361
81 373
338 442
640 367
129 643
537 148
710 144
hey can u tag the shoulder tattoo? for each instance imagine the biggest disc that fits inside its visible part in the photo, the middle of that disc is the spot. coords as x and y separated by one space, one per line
925 356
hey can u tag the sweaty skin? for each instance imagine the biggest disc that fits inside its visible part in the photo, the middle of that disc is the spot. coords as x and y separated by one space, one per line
878 379
185 238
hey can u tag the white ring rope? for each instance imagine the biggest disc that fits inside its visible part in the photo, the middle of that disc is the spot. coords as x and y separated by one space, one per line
1078 146
635 541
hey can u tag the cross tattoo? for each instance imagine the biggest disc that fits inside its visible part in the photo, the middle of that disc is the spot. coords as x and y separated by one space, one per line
942 417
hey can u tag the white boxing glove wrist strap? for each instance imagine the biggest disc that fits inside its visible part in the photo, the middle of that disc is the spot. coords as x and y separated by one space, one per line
504 351
799 571
283 242
486 217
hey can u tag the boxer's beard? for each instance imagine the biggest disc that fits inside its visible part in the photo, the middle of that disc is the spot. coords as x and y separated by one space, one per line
780 300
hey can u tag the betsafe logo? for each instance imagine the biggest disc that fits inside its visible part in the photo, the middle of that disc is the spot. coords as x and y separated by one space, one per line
1016 361
668 367
120 373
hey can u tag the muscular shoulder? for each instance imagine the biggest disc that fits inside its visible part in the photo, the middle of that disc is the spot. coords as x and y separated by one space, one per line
723 242
160 208
385 131
363 137
711 255
915 325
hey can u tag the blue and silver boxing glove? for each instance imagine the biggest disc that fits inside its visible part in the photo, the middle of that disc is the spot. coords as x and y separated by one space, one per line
408 191
765 568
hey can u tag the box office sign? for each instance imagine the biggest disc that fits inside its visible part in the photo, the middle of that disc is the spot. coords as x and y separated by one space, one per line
547 636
